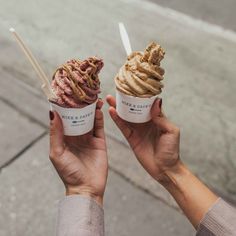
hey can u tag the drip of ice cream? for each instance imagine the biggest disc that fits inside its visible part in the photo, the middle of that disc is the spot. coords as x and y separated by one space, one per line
76 83
141 75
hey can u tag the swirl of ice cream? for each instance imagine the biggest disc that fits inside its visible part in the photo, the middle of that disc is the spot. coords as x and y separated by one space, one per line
141 75
76 83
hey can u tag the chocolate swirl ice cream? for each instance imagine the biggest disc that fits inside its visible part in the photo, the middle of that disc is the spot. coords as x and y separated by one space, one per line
141 75
76 83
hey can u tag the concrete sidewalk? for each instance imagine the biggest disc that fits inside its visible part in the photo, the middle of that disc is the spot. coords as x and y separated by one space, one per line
213 11
199 96
31 188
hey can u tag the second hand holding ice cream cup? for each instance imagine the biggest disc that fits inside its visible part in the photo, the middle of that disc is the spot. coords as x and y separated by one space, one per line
76 85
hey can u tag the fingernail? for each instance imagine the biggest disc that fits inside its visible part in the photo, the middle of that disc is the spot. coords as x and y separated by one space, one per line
51 115
160 103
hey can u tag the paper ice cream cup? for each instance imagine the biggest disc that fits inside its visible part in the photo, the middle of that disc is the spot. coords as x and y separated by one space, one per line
76 121
134 109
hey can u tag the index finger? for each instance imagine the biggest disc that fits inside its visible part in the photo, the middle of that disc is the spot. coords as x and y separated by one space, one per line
111 101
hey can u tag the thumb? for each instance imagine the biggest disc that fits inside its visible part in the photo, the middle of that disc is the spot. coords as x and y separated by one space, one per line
160 120
56 135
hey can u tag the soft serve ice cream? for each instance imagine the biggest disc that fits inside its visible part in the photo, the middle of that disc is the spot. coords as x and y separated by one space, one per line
76 86
76 83
141 75
138 83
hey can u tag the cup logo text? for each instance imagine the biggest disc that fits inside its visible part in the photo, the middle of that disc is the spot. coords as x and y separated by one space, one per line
139 106
77 117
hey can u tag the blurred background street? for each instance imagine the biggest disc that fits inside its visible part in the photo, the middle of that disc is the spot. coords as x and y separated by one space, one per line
199 96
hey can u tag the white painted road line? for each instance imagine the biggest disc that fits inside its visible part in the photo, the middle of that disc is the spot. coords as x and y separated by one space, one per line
185 19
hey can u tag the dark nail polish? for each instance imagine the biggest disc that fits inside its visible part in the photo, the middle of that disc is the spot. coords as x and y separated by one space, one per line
51 115
160 103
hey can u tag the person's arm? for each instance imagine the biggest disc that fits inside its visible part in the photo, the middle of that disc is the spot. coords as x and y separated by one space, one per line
77 159
156 147
193 197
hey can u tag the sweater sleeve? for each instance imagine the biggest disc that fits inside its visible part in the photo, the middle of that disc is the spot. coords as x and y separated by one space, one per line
220 220
80 216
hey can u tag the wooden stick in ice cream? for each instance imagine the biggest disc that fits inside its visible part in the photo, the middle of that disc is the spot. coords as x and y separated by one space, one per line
45 82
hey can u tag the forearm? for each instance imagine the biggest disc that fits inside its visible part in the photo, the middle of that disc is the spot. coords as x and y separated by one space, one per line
193 197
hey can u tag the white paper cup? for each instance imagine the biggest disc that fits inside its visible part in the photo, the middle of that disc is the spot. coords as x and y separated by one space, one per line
134 109
76 121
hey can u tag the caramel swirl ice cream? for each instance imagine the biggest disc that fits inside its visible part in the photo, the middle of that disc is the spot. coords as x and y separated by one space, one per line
76 83
141 75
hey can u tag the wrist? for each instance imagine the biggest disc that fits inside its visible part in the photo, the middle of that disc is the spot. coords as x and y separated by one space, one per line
171 176
193 197
84 192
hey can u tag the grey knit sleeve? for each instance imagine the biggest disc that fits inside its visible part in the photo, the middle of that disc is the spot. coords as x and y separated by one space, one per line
220 220
80 216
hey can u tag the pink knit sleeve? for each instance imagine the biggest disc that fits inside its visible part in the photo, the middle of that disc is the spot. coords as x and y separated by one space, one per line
80 216
220 220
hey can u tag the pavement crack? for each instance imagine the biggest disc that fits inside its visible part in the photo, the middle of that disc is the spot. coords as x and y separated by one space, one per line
27 115
22 151
133 183
18 77
151 193
145 190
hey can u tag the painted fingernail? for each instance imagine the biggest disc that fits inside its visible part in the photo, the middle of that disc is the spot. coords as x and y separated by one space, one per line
51 115
160 103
